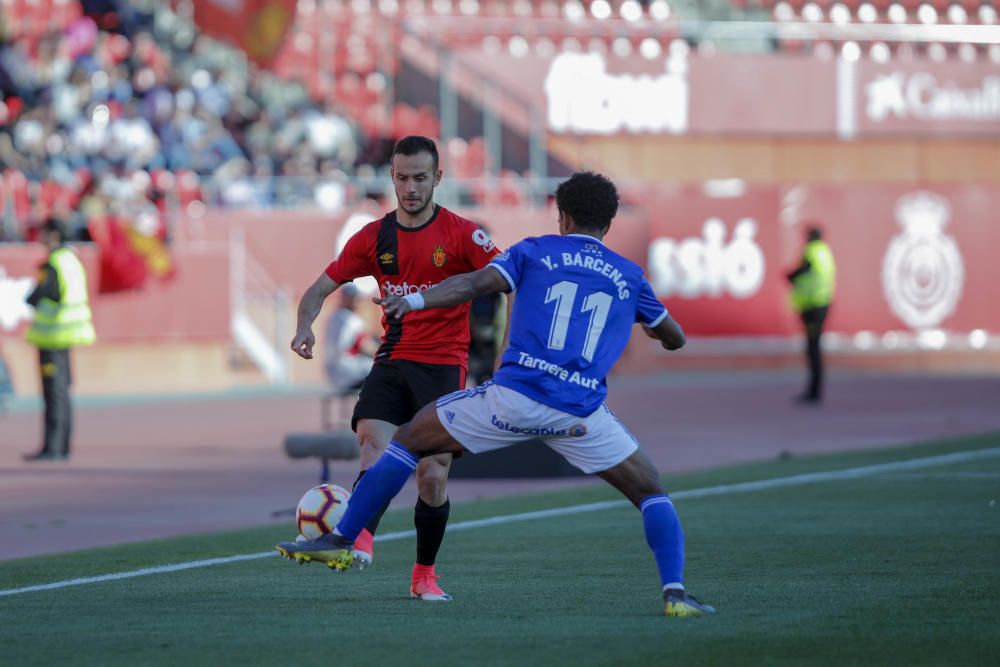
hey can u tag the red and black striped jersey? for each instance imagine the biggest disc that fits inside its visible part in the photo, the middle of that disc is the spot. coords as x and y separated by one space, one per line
405 260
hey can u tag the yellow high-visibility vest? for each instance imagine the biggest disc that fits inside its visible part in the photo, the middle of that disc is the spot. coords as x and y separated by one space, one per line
68 322
815 287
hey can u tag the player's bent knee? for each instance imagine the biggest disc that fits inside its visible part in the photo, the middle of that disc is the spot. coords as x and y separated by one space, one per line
434 469
647 486
371 445
644 491
635 477
373 437
432 483
433 488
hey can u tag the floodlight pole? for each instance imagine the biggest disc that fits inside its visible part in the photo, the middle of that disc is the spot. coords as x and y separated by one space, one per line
492 132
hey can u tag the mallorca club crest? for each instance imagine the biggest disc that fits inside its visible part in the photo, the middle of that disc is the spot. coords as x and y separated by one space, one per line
439 256
922 272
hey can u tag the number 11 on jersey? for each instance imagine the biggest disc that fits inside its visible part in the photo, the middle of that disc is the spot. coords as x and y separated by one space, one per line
598 304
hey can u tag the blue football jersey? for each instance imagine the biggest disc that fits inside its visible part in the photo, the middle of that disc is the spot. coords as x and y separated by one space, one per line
575 303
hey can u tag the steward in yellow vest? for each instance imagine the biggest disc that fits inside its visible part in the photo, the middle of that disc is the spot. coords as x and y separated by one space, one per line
62 321
814 280
813 284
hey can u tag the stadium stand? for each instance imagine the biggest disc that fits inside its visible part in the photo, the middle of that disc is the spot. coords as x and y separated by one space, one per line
111 119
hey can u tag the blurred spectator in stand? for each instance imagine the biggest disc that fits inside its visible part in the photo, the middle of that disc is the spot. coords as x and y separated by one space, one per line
812 292
350 348
332 189
124 16
236 187
17 73
132 86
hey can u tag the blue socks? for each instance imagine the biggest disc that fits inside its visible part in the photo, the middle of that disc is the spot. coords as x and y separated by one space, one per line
378 486
665 538
387 477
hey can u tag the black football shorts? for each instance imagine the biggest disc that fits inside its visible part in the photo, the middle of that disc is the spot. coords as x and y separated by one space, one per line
396 389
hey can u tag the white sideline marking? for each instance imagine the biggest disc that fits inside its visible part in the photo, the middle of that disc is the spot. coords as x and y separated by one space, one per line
725 489
949 475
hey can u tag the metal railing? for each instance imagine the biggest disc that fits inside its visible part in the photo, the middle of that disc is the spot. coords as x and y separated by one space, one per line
258 311
452 192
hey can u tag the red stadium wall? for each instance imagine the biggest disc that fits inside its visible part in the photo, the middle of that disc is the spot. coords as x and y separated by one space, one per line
192 306
908 258
776 160
739 94
765 118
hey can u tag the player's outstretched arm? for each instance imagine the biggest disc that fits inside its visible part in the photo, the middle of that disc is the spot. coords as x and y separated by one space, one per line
505 341
668 332
309 307
449 292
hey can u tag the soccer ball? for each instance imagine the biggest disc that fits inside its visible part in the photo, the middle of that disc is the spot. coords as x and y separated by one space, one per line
320 509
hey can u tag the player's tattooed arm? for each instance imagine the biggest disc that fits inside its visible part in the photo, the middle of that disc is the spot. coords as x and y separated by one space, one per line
449 292
309 307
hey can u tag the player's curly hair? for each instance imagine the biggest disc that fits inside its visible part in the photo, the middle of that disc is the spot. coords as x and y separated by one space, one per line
590 199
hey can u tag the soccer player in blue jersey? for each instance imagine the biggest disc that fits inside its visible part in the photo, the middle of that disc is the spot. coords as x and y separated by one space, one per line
576 303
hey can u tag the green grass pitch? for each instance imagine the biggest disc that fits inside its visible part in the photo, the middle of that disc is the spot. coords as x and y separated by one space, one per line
895 568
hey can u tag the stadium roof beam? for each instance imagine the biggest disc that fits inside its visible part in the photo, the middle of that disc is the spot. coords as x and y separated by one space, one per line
858 32
714 30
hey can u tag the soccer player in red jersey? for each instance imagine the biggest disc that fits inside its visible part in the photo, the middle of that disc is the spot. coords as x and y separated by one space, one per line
420 359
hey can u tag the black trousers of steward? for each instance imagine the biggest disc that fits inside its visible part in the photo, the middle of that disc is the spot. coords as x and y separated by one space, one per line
56 380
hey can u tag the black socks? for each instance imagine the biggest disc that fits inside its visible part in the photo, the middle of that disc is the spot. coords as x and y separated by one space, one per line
430 523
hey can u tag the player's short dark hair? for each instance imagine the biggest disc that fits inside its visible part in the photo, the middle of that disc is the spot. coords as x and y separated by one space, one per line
414 144
590 199
814 232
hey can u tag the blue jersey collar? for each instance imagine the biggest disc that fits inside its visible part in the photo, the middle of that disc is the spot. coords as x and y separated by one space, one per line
589 238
